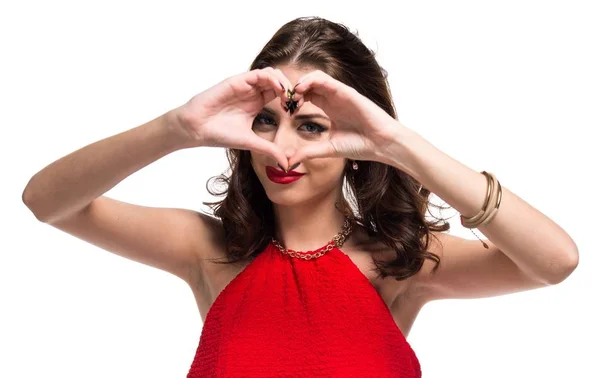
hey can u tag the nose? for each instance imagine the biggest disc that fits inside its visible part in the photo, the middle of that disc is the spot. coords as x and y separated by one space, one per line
286 140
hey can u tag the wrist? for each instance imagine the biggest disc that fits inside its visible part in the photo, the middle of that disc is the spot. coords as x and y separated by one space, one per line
175 132
405 151
396 142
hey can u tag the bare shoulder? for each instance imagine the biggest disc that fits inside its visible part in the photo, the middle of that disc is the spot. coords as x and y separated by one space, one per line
212 277
368 250
417 285
210 235
401 297
208 245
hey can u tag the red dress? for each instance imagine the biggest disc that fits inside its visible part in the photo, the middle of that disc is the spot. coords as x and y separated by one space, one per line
283 316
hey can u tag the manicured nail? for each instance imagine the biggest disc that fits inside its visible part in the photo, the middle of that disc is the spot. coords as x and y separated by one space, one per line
295 166
292 106
290 94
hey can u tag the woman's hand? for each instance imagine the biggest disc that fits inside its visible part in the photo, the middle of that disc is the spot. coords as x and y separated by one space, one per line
222 116
360 130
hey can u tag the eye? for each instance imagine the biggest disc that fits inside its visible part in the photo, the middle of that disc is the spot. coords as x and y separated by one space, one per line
263 117
313 128
317 129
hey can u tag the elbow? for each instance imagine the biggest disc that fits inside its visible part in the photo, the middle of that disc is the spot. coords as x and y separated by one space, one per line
26 195
564 268
28 201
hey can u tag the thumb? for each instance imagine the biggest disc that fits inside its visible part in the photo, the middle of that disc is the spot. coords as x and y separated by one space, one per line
263 146
323 149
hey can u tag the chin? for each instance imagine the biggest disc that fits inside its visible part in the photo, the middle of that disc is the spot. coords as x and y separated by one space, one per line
285 199
284 195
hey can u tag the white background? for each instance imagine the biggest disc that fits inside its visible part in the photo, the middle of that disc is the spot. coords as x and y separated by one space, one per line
511 87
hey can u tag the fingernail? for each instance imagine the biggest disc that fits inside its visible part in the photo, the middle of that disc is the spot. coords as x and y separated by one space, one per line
294 166
290 94
292 106
282 87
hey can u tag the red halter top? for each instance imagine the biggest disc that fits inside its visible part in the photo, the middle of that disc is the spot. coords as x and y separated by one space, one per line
286 316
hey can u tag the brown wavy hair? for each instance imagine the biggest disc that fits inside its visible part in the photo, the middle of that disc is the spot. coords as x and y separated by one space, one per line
386 201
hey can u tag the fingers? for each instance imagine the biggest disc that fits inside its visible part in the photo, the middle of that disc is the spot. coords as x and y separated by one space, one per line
319 88
266 82
318 82
271 82
266 147
286 84
323 149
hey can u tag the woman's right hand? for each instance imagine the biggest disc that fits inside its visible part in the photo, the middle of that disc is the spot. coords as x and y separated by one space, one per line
222 116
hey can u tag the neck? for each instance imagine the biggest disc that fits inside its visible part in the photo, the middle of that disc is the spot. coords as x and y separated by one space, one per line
302 228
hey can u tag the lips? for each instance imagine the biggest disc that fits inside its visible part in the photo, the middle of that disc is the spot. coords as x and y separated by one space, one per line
279 173
280 177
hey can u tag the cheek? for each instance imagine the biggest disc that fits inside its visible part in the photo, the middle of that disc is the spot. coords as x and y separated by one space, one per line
256 158
326 169
322 164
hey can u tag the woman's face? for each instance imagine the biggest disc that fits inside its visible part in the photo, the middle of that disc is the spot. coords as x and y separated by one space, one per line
291 133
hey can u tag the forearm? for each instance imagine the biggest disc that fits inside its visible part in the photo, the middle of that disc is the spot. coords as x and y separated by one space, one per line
72 182
532 240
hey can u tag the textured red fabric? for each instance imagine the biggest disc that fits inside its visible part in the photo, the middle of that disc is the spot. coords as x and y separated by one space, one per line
288 317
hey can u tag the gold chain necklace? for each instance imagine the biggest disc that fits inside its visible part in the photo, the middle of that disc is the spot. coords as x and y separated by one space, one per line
337 240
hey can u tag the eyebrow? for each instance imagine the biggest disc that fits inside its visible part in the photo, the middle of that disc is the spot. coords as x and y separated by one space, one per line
298 116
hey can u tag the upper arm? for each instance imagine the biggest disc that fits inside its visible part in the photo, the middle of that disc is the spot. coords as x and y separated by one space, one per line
469 270
169 239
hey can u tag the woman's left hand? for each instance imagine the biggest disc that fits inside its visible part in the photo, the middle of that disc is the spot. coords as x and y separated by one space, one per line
360 129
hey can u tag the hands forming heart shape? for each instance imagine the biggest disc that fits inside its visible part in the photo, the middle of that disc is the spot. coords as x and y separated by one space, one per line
221 115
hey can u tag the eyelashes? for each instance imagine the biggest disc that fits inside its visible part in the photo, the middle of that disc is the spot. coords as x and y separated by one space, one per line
319 129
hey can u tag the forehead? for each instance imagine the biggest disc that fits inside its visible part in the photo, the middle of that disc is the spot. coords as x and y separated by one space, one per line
294 73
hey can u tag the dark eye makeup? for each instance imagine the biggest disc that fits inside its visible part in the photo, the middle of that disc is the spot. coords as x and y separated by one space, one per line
262 117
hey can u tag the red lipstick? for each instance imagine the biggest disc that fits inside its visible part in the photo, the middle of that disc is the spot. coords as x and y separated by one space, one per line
280 177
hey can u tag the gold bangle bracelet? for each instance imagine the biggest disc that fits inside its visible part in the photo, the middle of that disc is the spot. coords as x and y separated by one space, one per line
495 209
487 212
491 210
467 222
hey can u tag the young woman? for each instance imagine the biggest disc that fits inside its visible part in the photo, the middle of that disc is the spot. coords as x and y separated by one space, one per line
319 257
